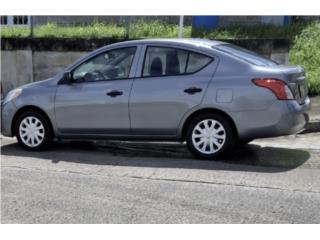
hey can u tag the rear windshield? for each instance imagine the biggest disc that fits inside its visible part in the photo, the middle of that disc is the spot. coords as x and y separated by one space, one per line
246 55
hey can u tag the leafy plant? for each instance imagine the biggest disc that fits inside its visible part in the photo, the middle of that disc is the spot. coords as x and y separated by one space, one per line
305 51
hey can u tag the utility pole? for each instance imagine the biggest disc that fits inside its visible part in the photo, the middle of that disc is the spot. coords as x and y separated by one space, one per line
127 25
180 27
31 26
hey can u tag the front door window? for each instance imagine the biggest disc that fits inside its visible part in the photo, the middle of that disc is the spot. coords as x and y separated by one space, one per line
111 65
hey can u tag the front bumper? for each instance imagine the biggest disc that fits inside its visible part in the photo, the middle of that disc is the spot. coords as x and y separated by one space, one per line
8 111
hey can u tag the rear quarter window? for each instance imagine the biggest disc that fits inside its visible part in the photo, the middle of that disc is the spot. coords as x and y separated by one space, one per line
197 61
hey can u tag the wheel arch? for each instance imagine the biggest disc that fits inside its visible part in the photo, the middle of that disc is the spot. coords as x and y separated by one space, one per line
30 108
206 111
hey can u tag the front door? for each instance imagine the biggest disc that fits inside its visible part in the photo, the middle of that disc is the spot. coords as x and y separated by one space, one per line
96 102
173 81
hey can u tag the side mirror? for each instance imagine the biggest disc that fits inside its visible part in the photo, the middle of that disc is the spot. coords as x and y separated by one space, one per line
66 78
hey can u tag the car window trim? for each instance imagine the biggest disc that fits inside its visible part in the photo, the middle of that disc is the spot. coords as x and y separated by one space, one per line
107 80
212 59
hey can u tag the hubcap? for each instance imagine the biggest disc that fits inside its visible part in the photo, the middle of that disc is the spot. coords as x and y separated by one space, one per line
208 136
31 131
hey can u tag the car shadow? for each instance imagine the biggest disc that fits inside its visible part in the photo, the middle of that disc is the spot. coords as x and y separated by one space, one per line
251 157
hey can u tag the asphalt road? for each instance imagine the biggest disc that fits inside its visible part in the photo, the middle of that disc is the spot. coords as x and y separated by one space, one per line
268 181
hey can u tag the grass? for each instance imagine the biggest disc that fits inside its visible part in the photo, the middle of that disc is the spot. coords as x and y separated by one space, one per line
14 32
304 50
96 30
156 29
138 29
253 31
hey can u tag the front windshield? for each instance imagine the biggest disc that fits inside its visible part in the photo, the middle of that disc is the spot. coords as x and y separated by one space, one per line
246 55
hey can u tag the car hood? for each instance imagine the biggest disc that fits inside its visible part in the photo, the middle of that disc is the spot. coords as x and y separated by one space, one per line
41 83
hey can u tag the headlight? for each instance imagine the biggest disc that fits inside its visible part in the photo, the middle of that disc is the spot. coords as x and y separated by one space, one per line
12 95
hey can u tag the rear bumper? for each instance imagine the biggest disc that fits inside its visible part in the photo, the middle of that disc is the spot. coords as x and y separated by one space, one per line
282 118
298 116
8 111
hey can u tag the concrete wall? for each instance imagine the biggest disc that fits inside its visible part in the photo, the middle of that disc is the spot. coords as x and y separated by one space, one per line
49 63
25 61
20 67
16 68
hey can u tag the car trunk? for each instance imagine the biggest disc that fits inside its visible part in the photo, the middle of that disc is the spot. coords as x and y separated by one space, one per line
296 80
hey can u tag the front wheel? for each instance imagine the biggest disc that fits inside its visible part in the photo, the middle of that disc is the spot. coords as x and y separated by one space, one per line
33 131
210 136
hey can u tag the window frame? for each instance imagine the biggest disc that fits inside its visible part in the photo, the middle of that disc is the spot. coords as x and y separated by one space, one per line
4 20
212 59
104 52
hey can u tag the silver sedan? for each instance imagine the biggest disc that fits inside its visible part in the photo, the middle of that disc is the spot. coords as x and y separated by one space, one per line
210 94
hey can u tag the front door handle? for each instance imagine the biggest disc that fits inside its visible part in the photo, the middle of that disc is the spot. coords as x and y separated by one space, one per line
114 93
192 90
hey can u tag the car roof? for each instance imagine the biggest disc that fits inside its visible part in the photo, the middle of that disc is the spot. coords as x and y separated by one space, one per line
196 42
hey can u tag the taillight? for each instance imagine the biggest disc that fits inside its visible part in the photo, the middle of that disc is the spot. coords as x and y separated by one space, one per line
278 87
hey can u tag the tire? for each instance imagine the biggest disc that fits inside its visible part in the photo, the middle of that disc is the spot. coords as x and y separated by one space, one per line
219 136
33 131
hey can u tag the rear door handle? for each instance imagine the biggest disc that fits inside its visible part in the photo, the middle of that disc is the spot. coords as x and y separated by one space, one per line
114 93
192 90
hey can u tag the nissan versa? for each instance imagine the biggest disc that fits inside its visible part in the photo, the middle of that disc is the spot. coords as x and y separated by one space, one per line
210 94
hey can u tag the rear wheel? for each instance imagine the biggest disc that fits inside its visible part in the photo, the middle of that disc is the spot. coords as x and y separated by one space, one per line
210 136
33 131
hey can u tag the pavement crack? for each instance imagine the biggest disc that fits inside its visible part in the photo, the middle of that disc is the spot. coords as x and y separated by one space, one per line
225 184
151 177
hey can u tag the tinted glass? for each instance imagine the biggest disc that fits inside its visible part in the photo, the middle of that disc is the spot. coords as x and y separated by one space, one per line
246 55
115 64
196 62
162 61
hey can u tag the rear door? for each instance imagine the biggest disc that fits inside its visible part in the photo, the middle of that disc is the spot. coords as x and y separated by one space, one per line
171 82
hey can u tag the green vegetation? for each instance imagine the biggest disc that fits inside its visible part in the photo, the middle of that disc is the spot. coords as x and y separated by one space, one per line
14 32
96 30
304 51
253 31
155 29
138 29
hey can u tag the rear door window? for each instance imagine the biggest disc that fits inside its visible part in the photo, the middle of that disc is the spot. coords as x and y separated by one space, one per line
163 61
167 61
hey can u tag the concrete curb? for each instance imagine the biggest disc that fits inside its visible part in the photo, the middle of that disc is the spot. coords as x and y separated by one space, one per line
311 127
